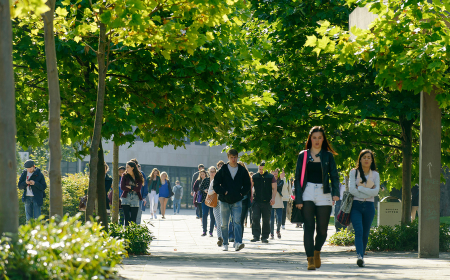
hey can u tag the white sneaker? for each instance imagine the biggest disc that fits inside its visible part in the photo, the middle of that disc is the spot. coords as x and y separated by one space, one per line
360 262
154 216
225 247
239 246
283 227
151 216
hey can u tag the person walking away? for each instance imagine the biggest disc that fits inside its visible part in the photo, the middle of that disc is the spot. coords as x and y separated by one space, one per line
265 186
194 192
216 210
316 196
414 201
164 193
231 183
144 194
178 195
277 207
131 185
33 184
364 185
154 183
337 208
206 210
286 194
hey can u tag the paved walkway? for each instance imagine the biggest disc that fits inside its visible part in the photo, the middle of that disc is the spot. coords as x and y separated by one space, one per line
179 252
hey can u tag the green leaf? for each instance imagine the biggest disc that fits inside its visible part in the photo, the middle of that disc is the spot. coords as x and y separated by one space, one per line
105 17
311 41
61 12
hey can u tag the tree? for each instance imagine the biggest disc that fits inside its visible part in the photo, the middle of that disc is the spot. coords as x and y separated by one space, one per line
115 186
54 100
9 209
407 48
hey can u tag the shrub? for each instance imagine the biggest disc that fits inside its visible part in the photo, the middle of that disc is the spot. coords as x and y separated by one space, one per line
65 250
342 238
403 238
137 237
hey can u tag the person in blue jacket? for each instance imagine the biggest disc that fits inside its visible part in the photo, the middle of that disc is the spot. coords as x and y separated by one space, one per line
32 181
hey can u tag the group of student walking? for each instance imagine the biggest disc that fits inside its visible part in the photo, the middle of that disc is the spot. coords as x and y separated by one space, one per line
269 194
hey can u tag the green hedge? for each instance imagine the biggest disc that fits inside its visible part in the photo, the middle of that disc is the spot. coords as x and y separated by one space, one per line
65 250
397 238
137 237
74 186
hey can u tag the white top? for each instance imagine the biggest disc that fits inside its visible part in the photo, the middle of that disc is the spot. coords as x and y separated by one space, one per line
29 191
287 190
233 170
211 189
362 193
278 201
341 190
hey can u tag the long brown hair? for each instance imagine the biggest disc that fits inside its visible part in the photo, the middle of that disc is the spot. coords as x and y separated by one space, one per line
359 165
200 174
153 171
137 174
325 145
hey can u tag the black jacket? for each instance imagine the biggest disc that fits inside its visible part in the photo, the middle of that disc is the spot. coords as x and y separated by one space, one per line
39 186
237 188
329 172
263 187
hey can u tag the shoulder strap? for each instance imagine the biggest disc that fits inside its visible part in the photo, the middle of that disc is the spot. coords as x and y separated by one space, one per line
305 155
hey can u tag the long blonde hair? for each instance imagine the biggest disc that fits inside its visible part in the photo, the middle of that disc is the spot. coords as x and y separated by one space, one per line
165 173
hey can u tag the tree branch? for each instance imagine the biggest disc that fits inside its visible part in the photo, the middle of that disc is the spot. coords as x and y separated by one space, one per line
379 144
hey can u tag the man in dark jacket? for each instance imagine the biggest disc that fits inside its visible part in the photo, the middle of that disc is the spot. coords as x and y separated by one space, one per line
32 181
232 183
265 189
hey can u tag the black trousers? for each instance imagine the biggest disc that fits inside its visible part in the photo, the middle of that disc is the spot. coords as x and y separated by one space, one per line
261 210
245 206
130 214
283 218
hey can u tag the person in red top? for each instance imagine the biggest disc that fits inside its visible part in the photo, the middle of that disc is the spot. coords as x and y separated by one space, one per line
131 185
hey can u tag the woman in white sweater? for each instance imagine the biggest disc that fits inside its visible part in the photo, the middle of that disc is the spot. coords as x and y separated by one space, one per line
216 210
364 186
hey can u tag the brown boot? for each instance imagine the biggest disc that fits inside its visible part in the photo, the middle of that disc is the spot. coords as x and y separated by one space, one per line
311 265
317 262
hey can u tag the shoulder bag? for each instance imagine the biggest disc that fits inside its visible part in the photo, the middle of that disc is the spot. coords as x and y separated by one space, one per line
343 216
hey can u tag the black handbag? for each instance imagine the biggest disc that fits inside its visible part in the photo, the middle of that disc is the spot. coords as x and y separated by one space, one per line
296 214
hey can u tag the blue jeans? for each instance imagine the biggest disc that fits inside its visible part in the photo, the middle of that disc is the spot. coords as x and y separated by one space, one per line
176 205
32 209
208 210
362 216
234 210
279 212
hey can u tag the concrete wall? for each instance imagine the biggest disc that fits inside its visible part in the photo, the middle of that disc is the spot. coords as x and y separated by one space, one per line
148 154
362 18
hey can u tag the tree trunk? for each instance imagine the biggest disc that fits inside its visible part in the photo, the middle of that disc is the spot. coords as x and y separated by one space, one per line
101 193
54 106
115 186
96 138
406 126
9 206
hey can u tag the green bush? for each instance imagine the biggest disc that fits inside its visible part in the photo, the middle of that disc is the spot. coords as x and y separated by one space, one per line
74 186
65 250
404 238
137 237
342 238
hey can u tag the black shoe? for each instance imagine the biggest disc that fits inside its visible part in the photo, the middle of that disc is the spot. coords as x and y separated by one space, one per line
271 236
254 239
265 241
231 240
204 234
220 242
279 234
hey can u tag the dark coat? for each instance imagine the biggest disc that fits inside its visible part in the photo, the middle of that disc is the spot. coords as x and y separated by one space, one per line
39 186
204 186
237 188
263 187
108 184
126 180
329 172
